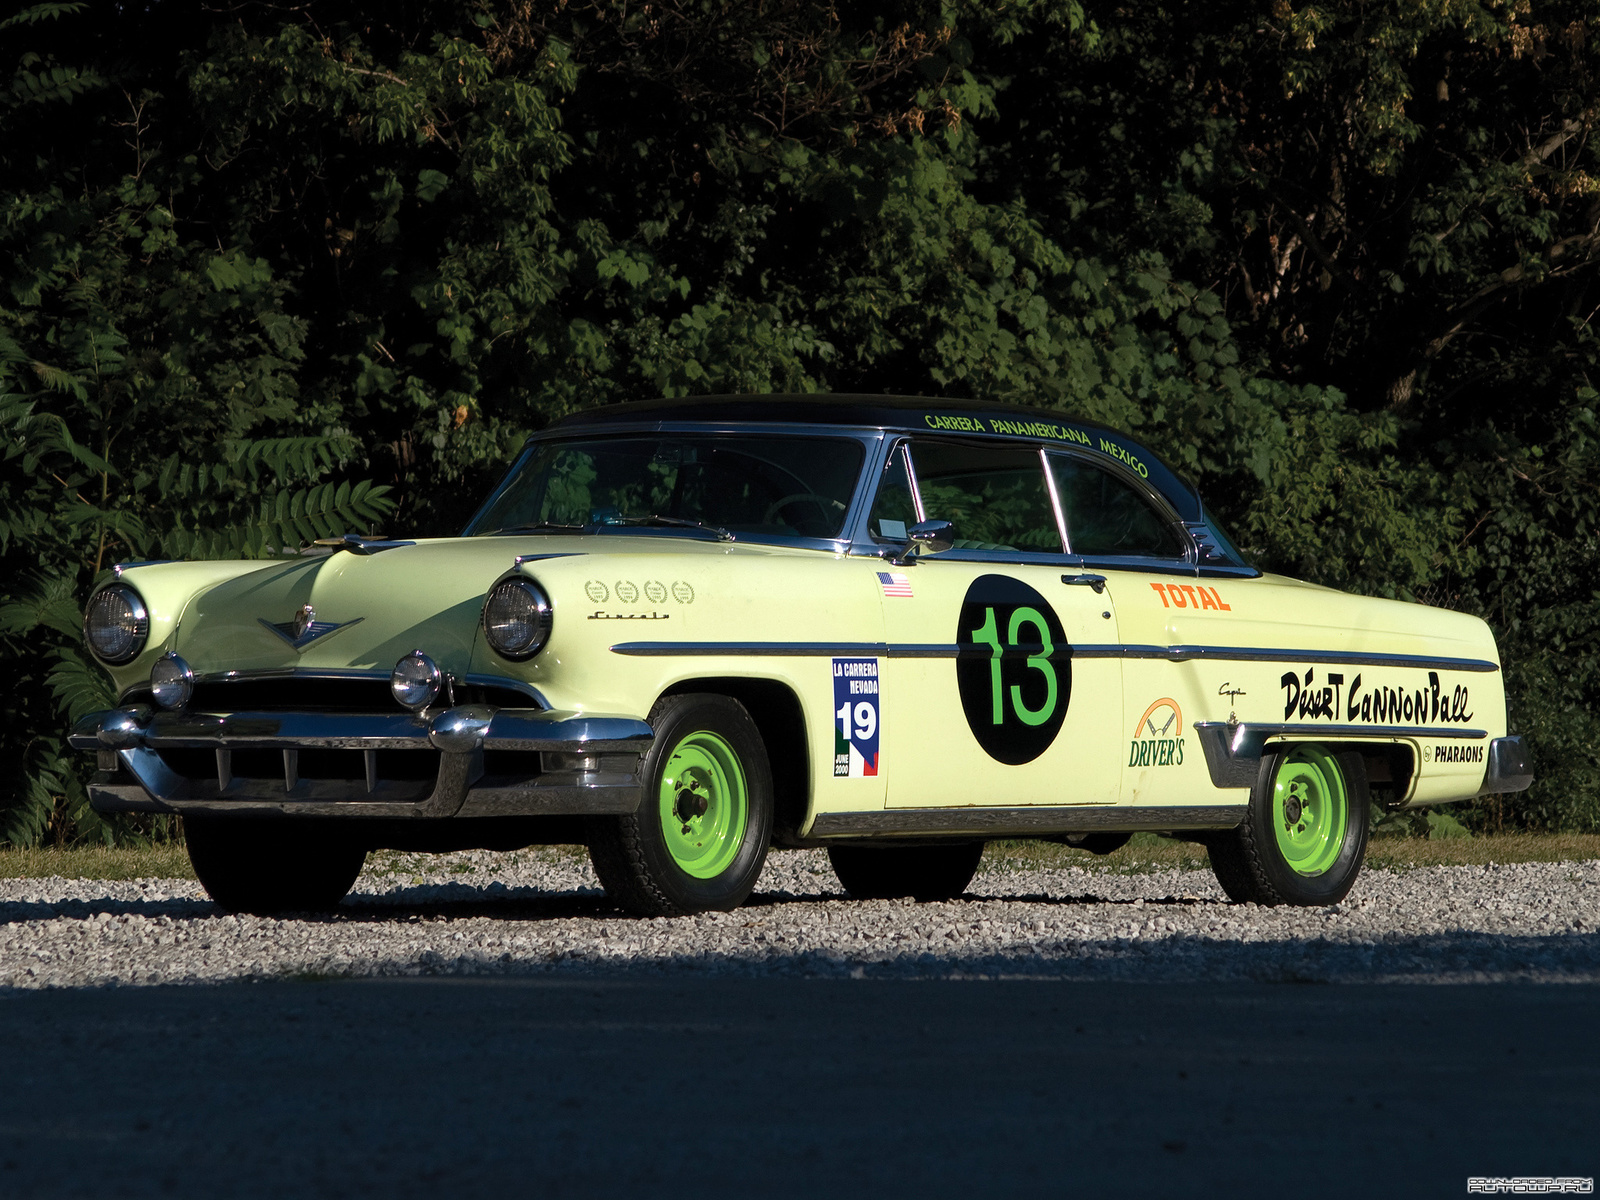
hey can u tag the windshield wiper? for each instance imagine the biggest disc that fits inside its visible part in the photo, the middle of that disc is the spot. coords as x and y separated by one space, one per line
721 534
541 527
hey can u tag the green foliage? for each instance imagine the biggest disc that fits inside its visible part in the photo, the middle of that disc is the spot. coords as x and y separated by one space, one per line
269 274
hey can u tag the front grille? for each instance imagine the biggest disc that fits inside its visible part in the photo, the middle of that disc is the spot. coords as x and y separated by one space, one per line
312 772
352 695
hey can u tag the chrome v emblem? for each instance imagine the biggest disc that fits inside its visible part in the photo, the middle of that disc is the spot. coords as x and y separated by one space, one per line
305 628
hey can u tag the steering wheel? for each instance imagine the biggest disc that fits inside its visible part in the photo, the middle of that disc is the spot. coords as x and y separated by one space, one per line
823 504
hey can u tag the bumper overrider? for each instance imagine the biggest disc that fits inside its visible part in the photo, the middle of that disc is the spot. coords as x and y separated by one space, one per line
467 761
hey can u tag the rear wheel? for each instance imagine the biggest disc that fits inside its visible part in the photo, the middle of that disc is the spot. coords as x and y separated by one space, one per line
1305 837
922 872
267 866
699 840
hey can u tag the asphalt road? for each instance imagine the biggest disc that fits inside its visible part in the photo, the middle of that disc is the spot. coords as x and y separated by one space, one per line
627 1084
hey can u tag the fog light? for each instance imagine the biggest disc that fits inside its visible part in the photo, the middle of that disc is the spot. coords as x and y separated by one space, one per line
416 681
171 681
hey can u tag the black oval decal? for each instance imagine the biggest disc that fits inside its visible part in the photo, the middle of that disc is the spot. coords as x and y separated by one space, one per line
1013 668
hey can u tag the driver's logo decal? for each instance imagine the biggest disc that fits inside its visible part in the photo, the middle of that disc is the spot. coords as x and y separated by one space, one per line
1013 669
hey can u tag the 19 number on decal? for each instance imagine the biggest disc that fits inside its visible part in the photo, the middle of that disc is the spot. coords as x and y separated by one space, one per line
1012 668
865 718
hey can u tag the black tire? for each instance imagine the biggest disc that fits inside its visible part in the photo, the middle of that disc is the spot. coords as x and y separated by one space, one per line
272 866
921 872
1252 864
1228 865
632 855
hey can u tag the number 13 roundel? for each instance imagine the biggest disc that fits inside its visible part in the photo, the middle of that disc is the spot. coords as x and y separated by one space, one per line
1013 669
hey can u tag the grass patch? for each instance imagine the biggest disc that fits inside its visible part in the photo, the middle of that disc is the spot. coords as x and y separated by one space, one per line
1147 852
1403 853
167 860
484 865
1143 854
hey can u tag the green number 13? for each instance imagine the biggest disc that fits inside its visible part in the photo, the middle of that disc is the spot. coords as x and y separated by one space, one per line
988 634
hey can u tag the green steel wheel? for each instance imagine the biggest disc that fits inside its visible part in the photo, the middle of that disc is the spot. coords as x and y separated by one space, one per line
699 840
1305 835
1310 810
704 804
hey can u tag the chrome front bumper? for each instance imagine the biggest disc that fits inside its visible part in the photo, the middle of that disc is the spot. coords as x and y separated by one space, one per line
462 762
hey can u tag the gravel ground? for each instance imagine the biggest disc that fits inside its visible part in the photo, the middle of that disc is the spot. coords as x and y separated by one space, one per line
538 912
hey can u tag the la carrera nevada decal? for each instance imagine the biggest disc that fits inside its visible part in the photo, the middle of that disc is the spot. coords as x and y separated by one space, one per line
1013 669
855 717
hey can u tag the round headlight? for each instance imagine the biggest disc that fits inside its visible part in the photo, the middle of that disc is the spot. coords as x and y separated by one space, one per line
516 618
171 681
416 680
115 624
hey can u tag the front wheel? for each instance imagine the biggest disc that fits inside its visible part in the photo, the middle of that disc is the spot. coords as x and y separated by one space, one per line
272 866
699 840
1306 833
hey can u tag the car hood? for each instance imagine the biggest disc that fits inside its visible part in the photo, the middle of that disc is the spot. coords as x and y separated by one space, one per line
369 610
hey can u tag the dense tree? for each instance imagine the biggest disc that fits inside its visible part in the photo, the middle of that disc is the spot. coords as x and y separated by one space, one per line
266 273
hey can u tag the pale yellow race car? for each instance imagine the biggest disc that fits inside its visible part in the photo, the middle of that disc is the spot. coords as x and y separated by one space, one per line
681 632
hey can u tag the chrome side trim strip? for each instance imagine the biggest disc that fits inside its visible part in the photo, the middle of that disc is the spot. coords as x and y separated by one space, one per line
752 649
997 822
1233 752
1330 657
955 650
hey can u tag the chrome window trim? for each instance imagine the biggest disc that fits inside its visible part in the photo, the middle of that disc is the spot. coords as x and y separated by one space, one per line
1163 507
1030 556
1086 650
902 446
1055 501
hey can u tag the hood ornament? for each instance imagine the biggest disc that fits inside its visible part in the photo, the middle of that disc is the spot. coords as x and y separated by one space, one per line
304 628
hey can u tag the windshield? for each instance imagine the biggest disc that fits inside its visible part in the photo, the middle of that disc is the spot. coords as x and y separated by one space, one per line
779 486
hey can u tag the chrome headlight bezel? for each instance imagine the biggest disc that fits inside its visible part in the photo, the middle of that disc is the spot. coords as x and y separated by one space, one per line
171 681
537 617
100 614
416 681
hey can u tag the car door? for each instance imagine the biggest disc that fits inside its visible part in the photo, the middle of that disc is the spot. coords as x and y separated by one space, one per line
1117 529
1002 680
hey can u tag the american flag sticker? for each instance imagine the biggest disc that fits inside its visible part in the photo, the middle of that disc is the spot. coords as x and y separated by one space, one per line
895 584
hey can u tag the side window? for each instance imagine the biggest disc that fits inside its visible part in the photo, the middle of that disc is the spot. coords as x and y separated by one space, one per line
1108 517
995 496
894 510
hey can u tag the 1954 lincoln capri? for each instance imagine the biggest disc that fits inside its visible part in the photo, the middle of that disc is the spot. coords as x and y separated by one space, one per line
681 632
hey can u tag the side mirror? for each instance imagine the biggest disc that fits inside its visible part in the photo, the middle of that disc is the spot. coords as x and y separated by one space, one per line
926 537
931 537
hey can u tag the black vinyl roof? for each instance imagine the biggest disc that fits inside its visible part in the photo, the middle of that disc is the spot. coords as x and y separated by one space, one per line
811 408
912 414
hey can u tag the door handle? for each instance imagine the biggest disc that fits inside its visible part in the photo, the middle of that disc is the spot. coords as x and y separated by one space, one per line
1097 582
